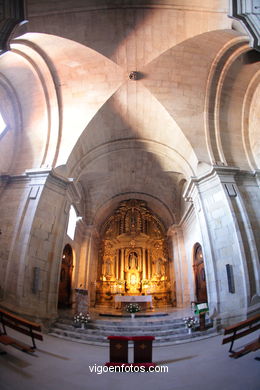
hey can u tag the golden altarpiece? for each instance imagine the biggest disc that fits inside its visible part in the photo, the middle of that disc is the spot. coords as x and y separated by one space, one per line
133 259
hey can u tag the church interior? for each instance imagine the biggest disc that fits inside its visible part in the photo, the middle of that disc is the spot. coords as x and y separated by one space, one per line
130 170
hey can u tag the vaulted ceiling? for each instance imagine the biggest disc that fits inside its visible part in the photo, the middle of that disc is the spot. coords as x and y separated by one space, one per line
117 137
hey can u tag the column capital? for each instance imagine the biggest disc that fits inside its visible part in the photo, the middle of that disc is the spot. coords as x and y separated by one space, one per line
91 231
257 176
173 230
30 175
221 174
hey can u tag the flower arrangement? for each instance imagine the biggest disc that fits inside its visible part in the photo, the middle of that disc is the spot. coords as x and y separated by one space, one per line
189 322
132 308
81 319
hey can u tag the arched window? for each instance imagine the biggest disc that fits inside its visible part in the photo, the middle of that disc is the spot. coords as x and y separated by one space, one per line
2 124
72 223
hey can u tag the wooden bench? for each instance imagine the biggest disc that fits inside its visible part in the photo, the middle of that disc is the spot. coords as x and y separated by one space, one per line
239 330
31 329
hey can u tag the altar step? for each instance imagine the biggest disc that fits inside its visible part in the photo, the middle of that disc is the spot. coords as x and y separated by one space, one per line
165 331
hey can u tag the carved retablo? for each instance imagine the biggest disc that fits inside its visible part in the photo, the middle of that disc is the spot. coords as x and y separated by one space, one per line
133 258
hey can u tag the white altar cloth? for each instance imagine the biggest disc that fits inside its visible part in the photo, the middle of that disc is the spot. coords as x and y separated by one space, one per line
132 299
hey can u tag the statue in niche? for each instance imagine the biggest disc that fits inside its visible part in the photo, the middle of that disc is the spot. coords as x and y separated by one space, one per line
159 267
132 261
107 268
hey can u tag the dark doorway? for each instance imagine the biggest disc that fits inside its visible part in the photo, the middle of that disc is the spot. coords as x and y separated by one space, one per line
65 278
199 275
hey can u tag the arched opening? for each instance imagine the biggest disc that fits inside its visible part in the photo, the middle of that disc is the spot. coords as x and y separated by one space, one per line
64 300
199 275
133 256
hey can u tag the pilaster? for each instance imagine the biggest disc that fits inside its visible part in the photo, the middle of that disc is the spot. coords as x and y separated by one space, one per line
227 240
180 267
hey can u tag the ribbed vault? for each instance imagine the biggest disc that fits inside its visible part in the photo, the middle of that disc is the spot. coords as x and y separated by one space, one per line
119 137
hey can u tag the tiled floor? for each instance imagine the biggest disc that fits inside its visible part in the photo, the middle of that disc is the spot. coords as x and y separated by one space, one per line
61 364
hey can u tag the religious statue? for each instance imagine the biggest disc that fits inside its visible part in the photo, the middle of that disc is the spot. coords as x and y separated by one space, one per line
107 268
159 267
132 261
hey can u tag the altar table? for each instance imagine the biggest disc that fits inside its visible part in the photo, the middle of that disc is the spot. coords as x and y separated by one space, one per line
133 299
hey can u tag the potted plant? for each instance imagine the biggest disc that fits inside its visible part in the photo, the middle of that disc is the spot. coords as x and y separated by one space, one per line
80 320
132 308
190 323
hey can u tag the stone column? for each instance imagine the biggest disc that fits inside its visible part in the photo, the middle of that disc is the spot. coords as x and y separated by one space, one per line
83 267
117 264
149 264
92 262
32 272
181 285
144 262
122 264
20 200
246 206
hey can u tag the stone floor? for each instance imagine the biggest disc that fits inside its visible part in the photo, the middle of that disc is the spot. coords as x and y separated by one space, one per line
61 364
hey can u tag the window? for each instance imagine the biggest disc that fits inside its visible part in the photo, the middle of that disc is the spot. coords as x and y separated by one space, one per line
2 124
72 223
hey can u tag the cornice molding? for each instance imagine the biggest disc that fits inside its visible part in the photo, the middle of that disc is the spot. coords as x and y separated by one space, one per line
247 12
12 16
224 173
80 6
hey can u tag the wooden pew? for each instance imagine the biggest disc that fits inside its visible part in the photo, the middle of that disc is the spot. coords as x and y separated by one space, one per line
239 330
20 325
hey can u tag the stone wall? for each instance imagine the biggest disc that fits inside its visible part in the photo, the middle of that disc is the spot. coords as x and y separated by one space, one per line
227 239
33 236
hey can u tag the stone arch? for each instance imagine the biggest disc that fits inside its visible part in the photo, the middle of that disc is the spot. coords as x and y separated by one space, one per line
251 123
229 102
43 62
219 67
31 77
151 171
12 116
155 204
